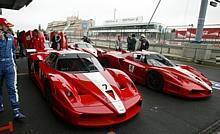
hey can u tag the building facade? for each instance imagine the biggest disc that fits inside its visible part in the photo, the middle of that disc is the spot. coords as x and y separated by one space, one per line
127 26
72 26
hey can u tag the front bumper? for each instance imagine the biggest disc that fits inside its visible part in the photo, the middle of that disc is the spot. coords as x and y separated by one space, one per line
186 93
107 118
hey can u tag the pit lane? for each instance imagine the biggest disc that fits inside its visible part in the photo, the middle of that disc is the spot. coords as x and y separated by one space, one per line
160 113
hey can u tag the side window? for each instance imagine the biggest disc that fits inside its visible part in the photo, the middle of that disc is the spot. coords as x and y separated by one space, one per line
51 59
137 56
143 59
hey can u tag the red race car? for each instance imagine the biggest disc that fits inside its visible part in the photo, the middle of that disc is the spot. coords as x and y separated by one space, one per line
86 47
159 73
81 91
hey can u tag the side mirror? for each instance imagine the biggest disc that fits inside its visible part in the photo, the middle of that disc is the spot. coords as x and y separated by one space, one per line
121 59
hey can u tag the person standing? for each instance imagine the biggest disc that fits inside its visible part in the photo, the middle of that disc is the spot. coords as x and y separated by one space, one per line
129 43
144 44
38 40
86 39
118 44
8 69
56 41
133 42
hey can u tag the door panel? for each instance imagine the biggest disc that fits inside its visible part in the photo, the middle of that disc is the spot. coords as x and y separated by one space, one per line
135 70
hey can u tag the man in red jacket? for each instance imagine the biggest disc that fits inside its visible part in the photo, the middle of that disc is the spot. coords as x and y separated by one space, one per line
38 40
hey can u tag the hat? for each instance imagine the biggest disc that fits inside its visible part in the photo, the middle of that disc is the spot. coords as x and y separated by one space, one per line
142 35
3 21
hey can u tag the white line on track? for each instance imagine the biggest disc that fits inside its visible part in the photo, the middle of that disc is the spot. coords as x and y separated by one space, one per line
215 85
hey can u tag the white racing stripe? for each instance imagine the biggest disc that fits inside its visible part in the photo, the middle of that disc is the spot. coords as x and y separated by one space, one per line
193 76
15 79
103 85
31 50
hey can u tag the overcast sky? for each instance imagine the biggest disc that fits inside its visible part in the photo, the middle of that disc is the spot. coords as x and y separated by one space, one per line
170 12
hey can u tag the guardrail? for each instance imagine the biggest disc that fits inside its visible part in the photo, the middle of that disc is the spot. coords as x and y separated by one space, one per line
193 53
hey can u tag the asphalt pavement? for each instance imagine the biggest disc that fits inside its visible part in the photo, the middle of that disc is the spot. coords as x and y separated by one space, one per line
160 114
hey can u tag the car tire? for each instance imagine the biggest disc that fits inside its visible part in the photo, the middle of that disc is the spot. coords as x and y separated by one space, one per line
155 81
105 63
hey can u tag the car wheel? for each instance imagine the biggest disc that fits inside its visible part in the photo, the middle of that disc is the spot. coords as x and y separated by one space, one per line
105 63
155 81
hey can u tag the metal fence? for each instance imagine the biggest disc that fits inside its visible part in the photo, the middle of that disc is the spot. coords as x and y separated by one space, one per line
171 49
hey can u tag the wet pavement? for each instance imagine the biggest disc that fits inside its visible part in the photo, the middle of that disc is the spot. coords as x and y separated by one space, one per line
160 114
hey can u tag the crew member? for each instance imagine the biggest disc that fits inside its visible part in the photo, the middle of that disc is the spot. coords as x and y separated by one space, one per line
38 40
8 68
144 44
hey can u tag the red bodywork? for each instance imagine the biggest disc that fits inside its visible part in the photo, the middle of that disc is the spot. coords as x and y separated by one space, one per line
78 100
208 33
38 41
32 40
182 80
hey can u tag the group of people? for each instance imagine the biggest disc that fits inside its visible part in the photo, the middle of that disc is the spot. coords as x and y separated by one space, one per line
30 40
8 68
131 43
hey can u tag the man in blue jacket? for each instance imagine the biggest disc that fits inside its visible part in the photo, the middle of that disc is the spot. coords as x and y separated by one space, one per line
8 68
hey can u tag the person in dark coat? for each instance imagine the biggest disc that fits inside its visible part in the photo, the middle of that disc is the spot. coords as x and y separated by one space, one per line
129 43
133 42
56 42
21 43
144 44
86 39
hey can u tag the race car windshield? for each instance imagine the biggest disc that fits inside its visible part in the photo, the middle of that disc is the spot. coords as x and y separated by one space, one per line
79 64
158 60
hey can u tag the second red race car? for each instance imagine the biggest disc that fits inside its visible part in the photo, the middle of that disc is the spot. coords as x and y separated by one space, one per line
158 73
86 47
81 91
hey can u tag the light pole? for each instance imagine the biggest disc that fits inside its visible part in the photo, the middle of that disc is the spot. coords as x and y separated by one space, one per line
152 15
201 20
114 13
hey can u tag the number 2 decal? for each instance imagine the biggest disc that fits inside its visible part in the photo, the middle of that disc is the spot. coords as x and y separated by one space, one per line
105 86
131 68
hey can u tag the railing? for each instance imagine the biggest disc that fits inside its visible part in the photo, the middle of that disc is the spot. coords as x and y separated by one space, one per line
181 50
